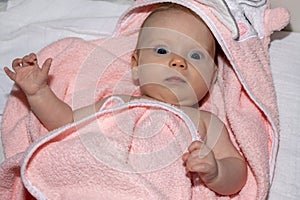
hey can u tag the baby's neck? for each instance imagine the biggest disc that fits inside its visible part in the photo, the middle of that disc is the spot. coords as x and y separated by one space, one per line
192 111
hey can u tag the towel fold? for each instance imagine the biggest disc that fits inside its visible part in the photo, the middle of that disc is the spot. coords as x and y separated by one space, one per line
59 164
101 156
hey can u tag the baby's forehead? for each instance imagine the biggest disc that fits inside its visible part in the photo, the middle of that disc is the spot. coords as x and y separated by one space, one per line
150 35
166 12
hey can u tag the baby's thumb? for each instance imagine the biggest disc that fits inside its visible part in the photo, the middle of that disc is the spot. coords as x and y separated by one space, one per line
46 65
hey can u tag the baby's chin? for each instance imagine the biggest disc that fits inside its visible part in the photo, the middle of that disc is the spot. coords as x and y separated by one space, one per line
171 96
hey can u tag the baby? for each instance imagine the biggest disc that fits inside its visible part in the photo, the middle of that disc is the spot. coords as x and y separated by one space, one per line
173 63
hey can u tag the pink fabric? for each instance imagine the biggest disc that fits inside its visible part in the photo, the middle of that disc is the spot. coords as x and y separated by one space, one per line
82 72
105 157
20 127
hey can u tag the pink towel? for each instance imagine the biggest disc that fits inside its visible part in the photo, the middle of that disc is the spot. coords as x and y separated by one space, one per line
244 98
101 156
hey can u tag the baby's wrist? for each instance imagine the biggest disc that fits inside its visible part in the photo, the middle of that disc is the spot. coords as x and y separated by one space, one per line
39 94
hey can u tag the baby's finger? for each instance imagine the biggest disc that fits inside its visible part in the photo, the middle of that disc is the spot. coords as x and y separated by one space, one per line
196 145
16 64
185 156
32 58
199 151
46 66
192 165
10 73
29 60
200 168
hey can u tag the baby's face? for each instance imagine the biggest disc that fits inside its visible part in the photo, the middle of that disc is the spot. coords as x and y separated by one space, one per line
175 58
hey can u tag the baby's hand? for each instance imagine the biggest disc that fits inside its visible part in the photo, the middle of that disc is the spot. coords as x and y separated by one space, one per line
28 75
201 160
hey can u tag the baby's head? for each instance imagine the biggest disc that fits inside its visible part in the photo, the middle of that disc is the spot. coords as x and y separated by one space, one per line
174 59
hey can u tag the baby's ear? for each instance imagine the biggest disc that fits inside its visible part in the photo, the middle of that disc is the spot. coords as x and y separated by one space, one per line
134 67
134 59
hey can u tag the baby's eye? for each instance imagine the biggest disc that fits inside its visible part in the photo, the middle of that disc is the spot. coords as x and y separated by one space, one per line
161 50
196 55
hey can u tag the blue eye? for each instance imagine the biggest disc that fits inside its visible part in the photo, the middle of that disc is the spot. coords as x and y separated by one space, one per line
161 50
196 55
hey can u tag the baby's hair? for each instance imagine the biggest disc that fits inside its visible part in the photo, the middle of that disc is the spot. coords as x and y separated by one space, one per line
170 6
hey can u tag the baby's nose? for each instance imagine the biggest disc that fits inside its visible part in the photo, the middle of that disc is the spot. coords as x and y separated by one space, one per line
177 62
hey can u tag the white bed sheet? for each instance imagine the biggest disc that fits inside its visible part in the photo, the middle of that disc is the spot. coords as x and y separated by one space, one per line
285 63
23 32
29 25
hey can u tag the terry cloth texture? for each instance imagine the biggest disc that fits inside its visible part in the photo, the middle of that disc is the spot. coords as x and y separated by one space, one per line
58 165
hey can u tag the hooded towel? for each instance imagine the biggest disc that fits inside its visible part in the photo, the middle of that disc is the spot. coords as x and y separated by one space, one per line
243 98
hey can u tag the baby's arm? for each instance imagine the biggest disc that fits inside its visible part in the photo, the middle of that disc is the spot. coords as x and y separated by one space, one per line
217 162
32 79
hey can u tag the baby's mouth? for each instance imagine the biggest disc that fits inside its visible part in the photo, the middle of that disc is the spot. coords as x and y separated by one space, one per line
174 79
